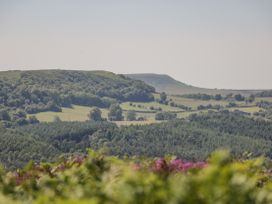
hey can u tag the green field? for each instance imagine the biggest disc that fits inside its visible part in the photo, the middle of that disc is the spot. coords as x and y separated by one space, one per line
252 109
194 103
76 113
80 113
188 113
269 99
142 109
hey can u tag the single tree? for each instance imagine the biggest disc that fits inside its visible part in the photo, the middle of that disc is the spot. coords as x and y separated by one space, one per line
115 113
95 114
239 97
56 119
131 115
163 96
251 98
33 119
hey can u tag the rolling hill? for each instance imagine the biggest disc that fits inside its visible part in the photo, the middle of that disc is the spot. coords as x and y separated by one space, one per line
165 83
42 90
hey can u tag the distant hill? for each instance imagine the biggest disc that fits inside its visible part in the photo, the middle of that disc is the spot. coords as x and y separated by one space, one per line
165 83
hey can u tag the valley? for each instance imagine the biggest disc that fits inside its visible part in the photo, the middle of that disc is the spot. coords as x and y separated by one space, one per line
135 102
124 116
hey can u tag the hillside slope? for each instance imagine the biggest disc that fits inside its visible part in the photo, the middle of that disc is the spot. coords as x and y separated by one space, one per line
165 83
43 90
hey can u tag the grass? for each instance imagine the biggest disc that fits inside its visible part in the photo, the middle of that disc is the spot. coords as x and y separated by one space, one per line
80 113
269 99
252 109
127 123
188 113
76 113
194 103
10 75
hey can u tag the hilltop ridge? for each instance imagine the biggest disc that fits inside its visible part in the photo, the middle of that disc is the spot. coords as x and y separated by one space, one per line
166 83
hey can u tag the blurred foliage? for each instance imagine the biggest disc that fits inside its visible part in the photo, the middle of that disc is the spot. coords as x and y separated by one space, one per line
102 179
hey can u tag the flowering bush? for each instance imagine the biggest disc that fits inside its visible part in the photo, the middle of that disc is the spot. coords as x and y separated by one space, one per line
103 179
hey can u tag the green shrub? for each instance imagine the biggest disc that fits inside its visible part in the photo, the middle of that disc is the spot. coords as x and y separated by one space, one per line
103 179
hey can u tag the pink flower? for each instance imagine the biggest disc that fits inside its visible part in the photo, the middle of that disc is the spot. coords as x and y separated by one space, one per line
160 165
136 167
180 165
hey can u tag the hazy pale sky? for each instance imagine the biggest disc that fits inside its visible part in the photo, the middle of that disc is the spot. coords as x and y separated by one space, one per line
207 43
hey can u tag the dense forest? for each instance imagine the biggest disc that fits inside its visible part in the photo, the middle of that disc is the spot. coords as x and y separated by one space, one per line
46 141
18 148
193 138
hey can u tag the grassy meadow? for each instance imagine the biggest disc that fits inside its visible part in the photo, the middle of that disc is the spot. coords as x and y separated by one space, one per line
252 109
143 109
268 99
76 113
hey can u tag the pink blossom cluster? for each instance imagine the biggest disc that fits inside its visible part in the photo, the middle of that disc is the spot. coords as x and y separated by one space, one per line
176 165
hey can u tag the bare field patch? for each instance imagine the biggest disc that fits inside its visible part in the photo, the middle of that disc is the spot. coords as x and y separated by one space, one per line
252 109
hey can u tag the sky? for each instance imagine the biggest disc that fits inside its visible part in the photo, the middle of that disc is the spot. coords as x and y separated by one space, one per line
205 43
